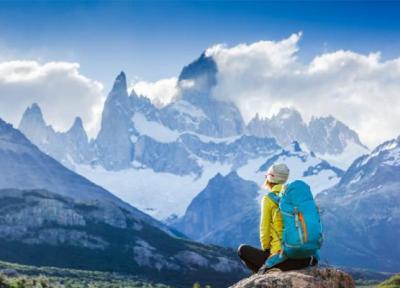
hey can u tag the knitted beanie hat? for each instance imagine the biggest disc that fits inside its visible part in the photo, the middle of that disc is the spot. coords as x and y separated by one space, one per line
278 174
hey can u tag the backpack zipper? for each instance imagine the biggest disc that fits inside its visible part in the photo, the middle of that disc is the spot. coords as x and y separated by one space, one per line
304 226
296 217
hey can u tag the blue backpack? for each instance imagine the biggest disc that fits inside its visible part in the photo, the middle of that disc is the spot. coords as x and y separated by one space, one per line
302 229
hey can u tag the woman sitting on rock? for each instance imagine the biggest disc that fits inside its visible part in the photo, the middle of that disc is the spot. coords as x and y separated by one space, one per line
271 226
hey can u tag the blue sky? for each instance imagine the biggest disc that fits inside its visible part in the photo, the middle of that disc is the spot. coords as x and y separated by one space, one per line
154 39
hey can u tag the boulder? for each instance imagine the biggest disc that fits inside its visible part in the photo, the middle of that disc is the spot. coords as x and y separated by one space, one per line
305 278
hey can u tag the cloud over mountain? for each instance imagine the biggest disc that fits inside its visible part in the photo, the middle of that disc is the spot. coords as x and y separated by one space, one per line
360 90
160 92
59 87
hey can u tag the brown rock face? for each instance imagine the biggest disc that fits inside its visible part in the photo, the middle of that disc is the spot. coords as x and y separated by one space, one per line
306 278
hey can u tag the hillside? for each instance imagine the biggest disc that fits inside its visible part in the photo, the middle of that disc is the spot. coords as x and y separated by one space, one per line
361 213
15 275
50 216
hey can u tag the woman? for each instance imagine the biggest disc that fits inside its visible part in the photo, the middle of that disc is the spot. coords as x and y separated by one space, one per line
271 227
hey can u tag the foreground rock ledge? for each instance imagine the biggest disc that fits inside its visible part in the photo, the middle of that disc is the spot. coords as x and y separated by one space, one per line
305 278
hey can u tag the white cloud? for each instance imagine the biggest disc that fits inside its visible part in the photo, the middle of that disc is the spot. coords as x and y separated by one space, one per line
59 89
361 90
160 92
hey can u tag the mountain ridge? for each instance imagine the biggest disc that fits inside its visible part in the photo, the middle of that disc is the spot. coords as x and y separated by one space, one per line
185 142
49 215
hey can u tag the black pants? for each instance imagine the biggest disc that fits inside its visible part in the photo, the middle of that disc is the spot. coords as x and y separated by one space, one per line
254 258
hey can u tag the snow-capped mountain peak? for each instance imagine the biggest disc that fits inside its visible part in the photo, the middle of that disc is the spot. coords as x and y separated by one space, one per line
382 165
184 143
386 147
326 136
365 202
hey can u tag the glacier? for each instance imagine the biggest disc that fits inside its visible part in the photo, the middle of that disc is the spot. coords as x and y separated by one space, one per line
159 158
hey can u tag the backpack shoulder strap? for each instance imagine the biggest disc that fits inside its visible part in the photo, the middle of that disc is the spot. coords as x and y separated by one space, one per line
275 198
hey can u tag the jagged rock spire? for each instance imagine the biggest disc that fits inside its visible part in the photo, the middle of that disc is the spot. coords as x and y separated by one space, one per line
33 114
120 88
78 124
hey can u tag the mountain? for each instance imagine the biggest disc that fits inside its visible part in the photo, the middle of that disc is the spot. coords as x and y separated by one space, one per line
325 136
51 216
227 211
361 213
286 126
139 145
303 165
67 147
221 204
183 145
167 175
214 118
113 141
135 149
24 166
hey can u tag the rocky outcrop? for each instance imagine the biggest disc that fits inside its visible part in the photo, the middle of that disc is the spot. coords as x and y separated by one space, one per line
67 147
215 209
306 278
322 135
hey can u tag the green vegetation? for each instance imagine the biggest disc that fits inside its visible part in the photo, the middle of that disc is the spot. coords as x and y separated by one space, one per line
197 285
23 276
392 282
366 283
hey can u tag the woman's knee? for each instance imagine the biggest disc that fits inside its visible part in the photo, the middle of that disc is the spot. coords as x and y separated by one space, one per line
241 250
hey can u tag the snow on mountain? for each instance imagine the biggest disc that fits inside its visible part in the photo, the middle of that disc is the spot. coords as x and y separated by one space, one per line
235 197
344 159
24 166
142 151
318 173
211 117
325 136
330 136
174 191
176 171
153 129
159 194
184 144
55 217
361 213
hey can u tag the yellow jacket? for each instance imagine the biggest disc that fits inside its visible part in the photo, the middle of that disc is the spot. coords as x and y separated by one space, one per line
271 225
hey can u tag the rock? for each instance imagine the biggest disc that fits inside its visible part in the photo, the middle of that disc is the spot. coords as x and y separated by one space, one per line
306 278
